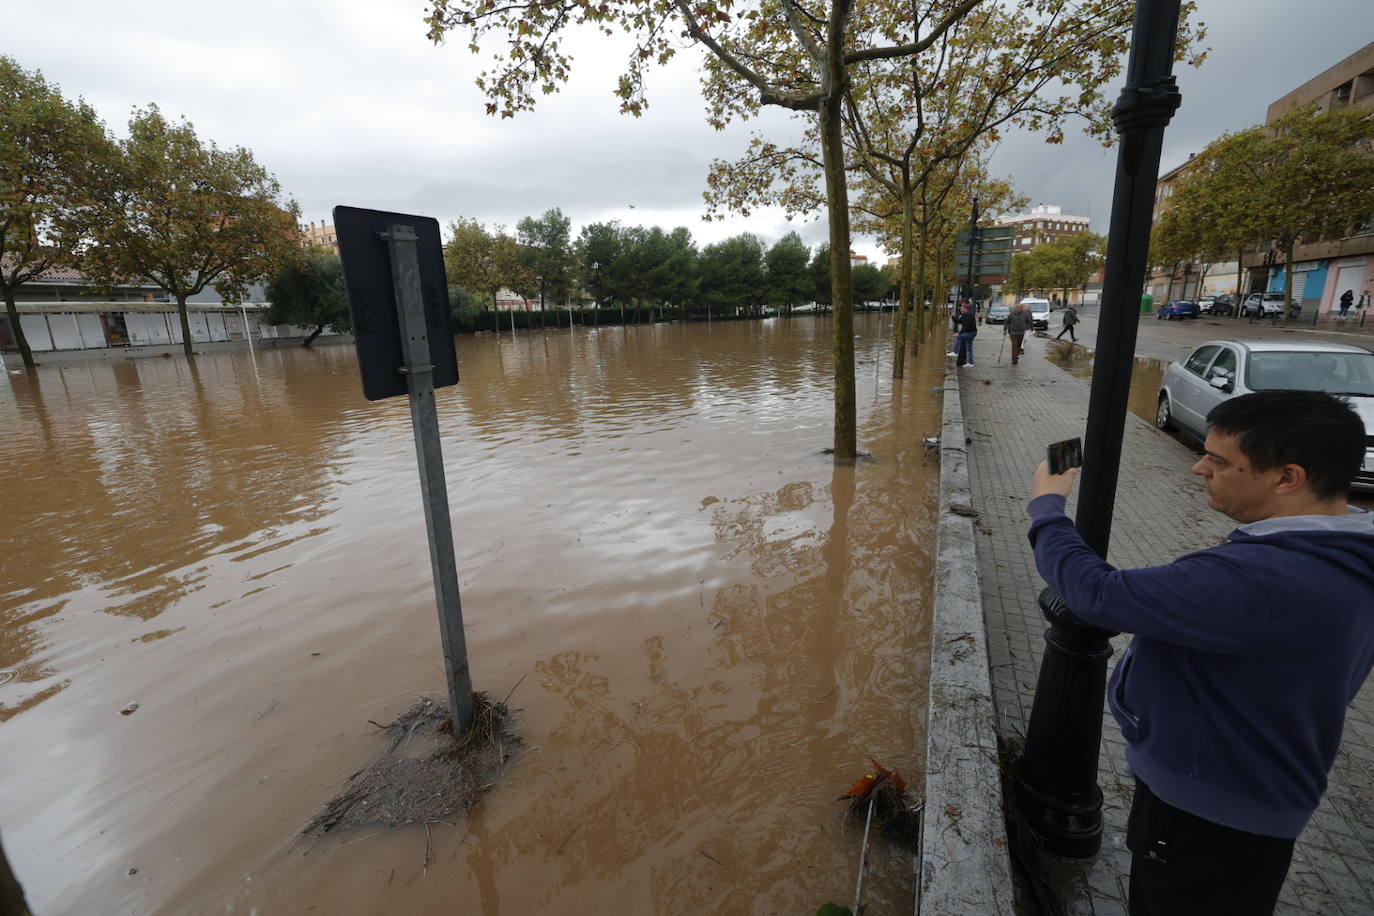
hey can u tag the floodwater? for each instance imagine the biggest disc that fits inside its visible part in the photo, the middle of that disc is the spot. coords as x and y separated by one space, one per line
1147 375
704 626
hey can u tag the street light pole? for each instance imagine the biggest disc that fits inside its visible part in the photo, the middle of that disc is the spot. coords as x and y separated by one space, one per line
972 241
1057 780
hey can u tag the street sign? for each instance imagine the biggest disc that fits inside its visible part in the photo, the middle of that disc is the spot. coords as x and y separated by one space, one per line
394 272
372 298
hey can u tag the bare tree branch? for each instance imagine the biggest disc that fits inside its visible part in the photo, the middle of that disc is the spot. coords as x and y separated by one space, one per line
917 47
768 94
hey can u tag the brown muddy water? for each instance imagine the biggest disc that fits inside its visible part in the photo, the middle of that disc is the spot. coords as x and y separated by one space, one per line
706 626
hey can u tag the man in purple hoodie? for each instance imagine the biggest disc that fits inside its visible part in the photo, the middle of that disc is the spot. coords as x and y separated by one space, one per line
1232 695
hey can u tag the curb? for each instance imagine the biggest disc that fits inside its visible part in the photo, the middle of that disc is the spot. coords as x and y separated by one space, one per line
965 865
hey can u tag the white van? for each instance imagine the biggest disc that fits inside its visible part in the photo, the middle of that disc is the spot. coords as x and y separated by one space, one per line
1040 313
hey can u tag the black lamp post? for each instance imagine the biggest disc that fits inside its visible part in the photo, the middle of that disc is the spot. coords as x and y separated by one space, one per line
972 245
1057 781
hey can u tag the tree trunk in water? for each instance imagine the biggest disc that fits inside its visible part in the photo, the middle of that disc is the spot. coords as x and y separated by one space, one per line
185 327
305 345
841 276
904 307
20 340
921 318
938 289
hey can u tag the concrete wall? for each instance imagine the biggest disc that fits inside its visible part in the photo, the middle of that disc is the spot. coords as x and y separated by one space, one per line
49 330
965 866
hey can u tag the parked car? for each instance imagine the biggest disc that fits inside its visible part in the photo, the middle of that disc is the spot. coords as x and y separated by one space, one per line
1216 305
1270 306
1040 313
1222 369
997 314
1178 308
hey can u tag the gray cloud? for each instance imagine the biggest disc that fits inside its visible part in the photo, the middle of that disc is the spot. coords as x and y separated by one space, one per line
347 102
1261 50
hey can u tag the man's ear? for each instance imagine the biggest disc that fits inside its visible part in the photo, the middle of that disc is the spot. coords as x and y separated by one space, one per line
1292 478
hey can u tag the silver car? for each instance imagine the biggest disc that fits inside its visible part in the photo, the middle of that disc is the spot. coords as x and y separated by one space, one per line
1221 369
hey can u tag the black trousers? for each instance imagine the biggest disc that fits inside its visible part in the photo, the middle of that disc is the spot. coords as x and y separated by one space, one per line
1068 328
1182 864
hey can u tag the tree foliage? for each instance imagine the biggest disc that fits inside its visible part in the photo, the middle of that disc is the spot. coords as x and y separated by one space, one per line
308 291
548 252
53 153
870 283
732 275
634 266
785 270
1309 174
484 262
1065 264
184 214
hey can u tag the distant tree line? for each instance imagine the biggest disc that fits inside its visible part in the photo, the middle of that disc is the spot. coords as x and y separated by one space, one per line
1064 264
637 273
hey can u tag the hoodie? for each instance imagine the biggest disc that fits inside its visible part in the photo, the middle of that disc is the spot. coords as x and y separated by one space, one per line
1232 695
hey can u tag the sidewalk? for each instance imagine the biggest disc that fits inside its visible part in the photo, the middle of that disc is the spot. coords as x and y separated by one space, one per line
1010 413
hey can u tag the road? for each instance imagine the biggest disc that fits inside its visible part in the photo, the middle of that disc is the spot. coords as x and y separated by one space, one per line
1170 340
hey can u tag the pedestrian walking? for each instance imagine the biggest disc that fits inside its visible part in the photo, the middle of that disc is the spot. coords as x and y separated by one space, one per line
1232 694
1018 323
1347 299
965 329
1070 319
1362 304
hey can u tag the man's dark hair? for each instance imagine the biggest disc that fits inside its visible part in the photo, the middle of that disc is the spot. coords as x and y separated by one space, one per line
1312 429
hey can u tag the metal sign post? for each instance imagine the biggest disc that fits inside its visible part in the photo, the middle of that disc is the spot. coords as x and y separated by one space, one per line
424 420
417 347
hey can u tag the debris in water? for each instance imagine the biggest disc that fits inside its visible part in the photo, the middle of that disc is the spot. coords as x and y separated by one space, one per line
129 710
425 775
894 812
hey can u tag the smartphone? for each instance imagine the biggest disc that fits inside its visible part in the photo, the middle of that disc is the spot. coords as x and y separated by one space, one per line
1064 455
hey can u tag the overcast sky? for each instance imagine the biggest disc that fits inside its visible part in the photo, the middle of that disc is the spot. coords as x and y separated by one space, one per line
346 102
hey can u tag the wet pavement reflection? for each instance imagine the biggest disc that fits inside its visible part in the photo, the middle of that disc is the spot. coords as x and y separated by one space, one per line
706 626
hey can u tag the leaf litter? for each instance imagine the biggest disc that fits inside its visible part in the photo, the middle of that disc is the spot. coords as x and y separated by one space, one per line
425 774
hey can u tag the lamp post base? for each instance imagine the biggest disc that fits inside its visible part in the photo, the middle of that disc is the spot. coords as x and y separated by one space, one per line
1071 828
1056 783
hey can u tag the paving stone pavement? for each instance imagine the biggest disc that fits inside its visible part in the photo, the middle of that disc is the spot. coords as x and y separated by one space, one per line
1010 414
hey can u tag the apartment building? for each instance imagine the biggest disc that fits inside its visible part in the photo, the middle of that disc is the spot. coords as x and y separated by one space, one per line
1325 268
321 236
1185 279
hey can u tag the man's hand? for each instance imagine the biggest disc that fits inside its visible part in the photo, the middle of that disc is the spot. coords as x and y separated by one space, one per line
1045 482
